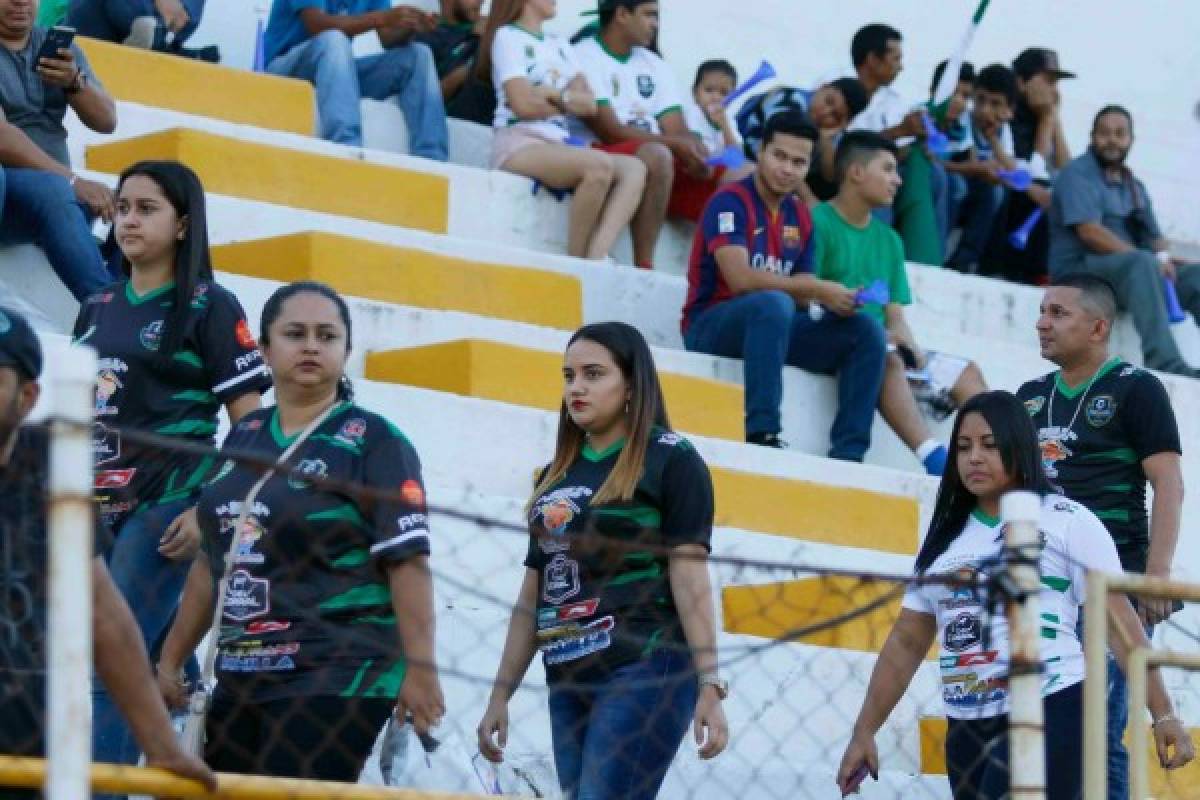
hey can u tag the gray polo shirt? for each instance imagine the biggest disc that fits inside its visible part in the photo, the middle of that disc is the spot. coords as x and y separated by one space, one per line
33 105
1084 193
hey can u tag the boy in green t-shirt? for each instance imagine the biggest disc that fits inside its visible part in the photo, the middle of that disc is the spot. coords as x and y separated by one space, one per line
858 251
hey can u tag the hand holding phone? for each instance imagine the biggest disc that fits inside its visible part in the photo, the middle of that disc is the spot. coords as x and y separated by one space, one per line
55 62
57 38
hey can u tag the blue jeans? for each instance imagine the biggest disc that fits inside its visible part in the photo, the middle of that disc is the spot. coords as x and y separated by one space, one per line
111 20
978 212
40 208
151 585
1118 718
342 81
767 331
616 738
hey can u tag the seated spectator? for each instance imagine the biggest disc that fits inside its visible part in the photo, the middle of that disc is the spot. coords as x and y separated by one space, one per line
949 119
311 39
989 150
829 107
878 55
1102 222
455 47
162 25
857 250
1039 141
45 202
705 111
641 114
750 286
538 85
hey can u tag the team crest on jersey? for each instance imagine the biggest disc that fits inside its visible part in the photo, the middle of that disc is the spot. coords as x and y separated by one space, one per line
725 222
964 632
529 53
670 439
151 335
308 468
352 431
616 86
646 85
1100 410
561 580
791 236
1035 404
247 597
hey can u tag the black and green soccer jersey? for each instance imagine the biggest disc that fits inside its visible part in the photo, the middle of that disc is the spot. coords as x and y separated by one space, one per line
601 607
1124 418
217 361
308 611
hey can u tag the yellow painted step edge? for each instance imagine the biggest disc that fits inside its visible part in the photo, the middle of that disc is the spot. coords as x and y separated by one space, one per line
1182 784
293 178
412 277
524 376
206 90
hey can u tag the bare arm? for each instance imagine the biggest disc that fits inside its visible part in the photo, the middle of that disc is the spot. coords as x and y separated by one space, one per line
1166 477
734 264
1101 240
191 623
675 136
18 150
318 21
520 645
95 108
411 586
898 330
123 665
692 591
242 405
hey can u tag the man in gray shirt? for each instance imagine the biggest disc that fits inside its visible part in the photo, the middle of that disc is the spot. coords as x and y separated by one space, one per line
1102 222
45 202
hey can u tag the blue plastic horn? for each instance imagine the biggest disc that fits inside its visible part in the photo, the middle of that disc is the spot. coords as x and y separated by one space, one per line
1020 237
937 141
1018 179
877 292
1175 313
765 73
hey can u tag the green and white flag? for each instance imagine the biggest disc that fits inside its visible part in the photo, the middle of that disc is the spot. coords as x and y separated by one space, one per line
949 80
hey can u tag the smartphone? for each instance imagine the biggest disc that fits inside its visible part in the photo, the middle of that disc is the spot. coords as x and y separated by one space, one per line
57 38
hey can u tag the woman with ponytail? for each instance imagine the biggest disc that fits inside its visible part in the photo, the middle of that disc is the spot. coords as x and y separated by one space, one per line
174 347
616 592
326 621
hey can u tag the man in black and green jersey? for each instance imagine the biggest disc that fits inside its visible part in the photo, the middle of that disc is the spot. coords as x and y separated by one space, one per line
600 607
178 395
308 620
1106 428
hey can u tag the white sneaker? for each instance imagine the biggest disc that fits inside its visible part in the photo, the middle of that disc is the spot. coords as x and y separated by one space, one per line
142 33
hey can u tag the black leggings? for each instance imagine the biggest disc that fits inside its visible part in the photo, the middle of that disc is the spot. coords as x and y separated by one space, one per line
977 751
316 738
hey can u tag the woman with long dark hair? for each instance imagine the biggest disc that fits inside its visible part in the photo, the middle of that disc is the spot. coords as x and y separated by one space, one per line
539 85
616 592
996 452
326 625
174 347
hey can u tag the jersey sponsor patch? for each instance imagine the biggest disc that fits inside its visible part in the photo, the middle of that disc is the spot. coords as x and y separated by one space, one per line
106 445
964 632
645 84
561 580
550 617
307 469
247 597
257 663
114 478
725 222
244 337
412 493
590 638
1100 410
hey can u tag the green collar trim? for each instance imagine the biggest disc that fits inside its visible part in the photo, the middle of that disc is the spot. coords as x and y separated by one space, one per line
539 36
286 441
623 59
593 456
136 299
986 519
1071 392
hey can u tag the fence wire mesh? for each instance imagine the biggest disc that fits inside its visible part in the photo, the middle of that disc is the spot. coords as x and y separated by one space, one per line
309 660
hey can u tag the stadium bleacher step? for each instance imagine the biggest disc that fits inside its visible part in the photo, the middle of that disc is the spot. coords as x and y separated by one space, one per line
410 276
207 90
296 178
524 376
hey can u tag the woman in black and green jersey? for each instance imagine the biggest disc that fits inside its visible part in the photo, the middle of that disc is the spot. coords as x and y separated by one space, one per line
616 592
173 348
327 619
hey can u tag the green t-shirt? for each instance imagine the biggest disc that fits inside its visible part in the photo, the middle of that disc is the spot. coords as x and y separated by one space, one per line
857 257
52 12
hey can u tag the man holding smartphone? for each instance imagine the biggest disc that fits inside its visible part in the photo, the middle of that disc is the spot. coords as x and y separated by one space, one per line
45 202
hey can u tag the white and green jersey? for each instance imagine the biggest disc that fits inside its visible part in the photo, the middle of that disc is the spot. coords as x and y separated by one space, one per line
541 59
640 87
973 641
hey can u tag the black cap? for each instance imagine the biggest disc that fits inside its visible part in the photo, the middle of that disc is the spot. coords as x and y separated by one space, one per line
612 5
19 345
1039 59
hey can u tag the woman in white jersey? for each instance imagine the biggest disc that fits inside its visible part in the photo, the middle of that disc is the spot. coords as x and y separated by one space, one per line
996 451
538 85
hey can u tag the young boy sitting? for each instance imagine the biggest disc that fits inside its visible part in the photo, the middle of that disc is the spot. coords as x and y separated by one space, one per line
705 114
858 251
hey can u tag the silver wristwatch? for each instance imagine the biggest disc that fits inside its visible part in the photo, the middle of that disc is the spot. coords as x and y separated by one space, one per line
714 680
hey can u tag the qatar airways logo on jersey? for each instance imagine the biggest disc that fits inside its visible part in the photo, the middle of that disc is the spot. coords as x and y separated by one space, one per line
772 264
